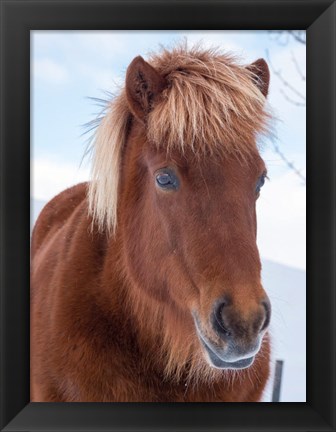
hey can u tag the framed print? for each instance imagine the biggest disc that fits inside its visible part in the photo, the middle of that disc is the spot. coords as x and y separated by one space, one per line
229 326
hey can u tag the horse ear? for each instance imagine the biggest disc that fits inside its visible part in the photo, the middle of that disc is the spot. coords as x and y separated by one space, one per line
261 75
143 85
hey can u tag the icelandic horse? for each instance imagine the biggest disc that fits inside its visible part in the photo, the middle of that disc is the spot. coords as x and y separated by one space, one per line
145 282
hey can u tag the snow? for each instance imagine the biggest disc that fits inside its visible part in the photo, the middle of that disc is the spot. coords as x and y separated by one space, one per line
286 288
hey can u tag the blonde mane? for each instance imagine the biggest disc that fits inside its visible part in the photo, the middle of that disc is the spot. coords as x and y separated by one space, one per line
211 105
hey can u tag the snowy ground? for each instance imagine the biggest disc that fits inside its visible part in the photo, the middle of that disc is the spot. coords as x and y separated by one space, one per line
286 288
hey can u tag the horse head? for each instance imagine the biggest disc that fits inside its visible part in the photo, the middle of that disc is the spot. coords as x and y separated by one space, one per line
184 199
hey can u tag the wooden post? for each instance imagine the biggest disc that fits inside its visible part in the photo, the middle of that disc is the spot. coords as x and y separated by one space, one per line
277 381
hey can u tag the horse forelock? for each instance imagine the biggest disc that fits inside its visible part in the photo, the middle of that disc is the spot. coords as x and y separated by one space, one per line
211 106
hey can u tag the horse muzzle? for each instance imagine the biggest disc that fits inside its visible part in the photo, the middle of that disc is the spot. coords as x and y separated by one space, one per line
217 359
234 348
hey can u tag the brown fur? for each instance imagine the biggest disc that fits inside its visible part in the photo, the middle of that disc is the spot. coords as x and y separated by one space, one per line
111 312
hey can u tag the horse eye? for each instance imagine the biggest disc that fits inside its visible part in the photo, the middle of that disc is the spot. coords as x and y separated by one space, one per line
167 179
260 183
164 179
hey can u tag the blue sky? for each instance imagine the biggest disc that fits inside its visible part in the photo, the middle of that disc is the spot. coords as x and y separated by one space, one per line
67 67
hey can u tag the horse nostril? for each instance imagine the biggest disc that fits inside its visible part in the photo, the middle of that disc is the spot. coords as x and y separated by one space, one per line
267 306
230 325
219 324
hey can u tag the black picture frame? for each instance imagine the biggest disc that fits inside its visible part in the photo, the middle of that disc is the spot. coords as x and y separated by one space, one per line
18 18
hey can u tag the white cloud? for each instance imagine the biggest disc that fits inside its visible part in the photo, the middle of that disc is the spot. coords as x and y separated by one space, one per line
281 212
50 177
107 44
50 71
100 78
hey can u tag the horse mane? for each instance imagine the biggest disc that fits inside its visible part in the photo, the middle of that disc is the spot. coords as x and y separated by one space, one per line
211 105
